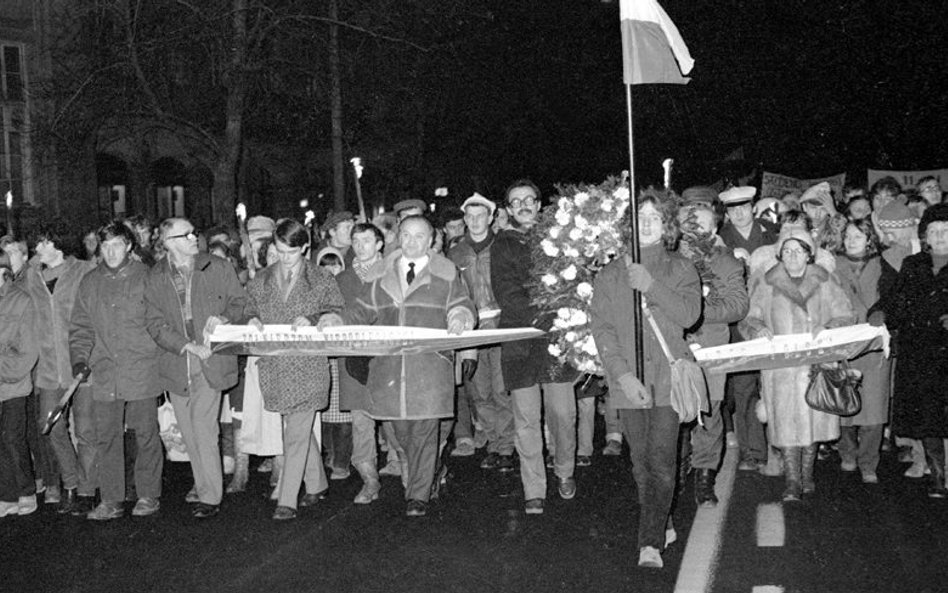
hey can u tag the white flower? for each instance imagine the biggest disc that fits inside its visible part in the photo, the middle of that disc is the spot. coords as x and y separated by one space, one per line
578 317
584 289
565 204
554 350
622 193
549 279
549 248
555 231
563 313
570 251
607 205
580 221
569 273
576 234
570 337
589 346
560 323
580 198
562 217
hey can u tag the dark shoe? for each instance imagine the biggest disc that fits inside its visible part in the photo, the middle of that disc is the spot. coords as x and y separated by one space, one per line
309 500
416 508
750 465
284 513
550 462
534 506
506 463
145 507
583 461
68 502
612 448
106 511
491 461
83 506
566 488
205 511
704 488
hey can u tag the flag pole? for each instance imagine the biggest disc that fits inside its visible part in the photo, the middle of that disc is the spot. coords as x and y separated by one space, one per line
635 253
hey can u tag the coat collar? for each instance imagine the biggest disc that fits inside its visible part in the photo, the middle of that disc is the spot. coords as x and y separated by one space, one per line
201 261
386 271
813 277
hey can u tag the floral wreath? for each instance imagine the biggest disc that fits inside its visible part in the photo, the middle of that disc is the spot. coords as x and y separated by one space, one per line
574 238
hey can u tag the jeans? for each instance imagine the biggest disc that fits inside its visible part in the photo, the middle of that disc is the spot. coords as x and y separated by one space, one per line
861 445
59 441
141 416
586 411
16 475
363 439
559 402
84 425
707 442
653 440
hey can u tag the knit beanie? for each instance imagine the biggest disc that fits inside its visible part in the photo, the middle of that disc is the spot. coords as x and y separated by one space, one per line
896 215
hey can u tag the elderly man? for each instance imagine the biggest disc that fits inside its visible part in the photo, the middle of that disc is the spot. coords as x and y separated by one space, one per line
483 380
414 287
187 295
108 333
527 367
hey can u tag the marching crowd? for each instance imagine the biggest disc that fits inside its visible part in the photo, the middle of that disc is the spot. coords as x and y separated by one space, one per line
124 318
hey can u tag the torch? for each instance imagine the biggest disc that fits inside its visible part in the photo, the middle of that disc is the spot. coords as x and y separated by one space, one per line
667 166
9 198
249 256
357 166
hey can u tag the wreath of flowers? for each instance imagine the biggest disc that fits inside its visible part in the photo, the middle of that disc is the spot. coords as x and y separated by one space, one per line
574 238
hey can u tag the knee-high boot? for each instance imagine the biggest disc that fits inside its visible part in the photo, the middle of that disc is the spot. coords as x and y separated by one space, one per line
792 470
808 459
370 483
935 453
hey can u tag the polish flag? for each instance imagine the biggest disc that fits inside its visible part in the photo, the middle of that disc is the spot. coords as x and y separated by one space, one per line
653 51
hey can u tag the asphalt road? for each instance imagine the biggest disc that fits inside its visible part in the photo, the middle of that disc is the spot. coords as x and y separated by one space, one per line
848 537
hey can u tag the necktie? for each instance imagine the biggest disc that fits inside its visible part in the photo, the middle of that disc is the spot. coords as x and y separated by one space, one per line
410 276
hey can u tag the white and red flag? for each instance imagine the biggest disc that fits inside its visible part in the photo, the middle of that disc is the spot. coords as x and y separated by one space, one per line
653 51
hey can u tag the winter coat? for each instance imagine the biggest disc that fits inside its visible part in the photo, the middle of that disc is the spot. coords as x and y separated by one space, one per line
675 301
53 318
725 301
475 270
353 393
108 332
762 233
914 308
292 384
215 291
524 363
18 342
414 386
785 307
860 280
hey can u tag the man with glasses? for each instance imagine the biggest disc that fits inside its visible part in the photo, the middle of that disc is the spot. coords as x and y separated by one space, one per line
743 234
527 367
930 189
187 294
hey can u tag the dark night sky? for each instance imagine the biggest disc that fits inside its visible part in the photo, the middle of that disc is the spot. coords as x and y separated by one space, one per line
806 88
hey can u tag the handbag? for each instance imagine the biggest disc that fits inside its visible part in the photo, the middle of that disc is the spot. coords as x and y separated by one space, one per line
689 389
833 389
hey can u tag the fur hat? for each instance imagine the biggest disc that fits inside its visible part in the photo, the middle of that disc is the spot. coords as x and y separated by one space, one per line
896 215
795 234
936 213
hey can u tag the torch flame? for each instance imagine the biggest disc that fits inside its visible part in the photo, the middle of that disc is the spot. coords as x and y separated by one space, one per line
9 198
241 212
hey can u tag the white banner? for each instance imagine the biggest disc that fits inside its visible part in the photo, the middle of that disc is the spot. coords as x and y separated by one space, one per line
907 178
775 185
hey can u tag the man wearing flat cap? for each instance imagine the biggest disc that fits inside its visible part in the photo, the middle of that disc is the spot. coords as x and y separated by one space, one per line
413 207
743 233
338 231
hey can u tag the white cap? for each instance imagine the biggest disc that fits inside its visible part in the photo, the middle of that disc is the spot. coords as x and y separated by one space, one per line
738 195
479 200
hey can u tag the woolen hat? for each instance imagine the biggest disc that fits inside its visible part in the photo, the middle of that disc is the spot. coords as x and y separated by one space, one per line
896 215
795 234
699 194
479 200
738 195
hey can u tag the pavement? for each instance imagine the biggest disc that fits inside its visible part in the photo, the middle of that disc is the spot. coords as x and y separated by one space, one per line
847 537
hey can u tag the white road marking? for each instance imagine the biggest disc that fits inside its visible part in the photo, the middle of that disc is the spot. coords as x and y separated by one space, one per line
704 541
771 530
767 589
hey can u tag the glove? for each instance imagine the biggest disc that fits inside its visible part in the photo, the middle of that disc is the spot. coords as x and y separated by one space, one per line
635 390
876 319
468 368
81 369
639 278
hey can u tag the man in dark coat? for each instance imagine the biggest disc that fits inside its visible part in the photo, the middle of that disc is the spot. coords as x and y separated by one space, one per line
526 364
108 334
187 295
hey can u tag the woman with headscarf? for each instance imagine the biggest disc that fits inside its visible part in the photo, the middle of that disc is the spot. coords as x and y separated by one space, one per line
795 296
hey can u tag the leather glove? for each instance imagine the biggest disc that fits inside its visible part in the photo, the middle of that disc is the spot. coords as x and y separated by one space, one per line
81 369
639 278
876 319
468 368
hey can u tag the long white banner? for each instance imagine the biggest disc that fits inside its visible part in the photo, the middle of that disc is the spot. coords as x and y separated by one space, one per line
906 178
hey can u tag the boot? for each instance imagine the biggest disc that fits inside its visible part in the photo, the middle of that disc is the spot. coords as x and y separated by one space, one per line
68 502
808 458
370 483
704 488
792 470
935 453
241 474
